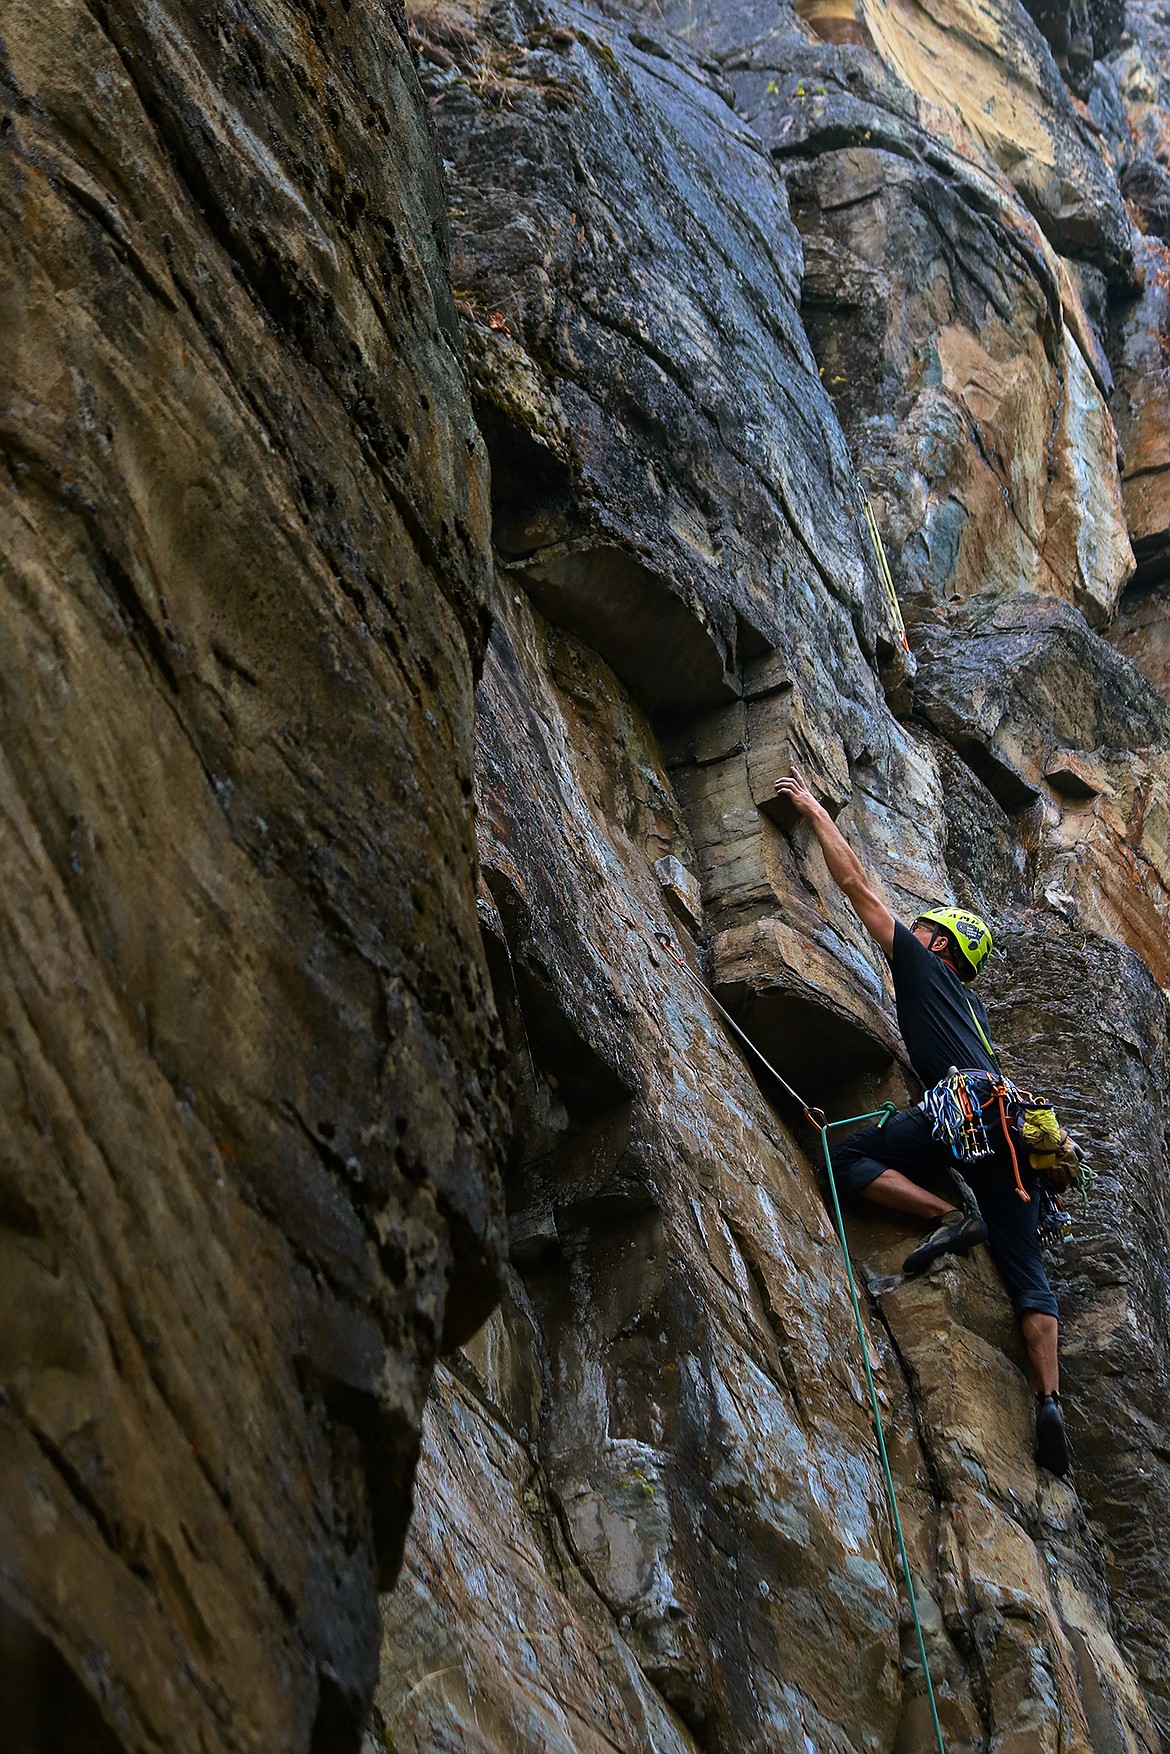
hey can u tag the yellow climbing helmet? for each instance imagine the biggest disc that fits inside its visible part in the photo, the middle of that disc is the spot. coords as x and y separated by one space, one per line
967 932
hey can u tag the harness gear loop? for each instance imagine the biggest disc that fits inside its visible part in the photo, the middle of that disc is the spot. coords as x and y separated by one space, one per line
1021 1190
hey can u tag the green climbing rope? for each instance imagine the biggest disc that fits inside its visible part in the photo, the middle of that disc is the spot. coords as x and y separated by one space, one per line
881 1115
816 1118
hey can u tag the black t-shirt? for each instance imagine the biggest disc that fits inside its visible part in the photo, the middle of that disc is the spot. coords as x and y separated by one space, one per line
934 1012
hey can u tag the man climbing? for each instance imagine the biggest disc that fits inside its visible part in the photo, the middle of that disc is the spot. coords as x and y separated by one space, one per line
944 1027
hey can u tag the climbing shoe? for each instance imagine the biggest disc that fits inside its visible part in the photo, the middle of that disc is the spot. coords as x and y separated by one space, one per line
957 1234
1051 1437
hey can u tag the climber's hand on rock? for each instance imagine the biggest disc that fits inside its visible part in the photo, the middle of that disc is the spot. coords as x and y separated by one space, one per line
796 791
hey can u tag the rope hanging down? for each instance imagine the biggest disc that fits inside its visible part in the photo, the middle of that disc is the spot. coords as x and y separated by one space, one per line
816 1118
883 564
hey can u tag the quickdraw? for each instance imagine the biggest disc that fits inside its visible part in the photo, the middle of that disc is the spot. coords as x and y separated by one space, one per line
957 1117
956 1107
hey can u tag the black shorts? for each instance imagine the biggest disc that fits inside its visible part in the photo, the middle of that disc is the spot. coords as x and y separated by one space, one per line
907 1143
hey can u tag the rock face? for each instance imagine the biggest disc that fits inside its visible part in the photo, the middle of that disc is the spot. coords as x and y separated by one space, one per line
954 341
250 1123
318 521
687 1544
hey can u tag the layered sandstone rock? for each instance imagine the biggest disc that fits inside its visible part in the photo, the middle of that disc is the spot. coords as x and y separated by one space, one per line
250 1124
986 67
957 346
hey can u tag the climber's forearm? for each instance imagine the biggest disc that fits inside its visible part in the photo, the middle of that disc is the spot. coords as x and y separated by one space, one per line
845 867
848 873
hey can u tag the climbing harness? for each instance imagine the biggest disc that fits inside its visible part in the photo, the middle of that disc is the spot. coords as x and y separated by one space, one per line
816 1118
956 1106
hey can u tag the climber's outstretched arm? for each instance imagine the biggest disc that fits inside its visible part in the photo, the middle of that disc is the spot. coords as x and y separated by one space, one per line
844 865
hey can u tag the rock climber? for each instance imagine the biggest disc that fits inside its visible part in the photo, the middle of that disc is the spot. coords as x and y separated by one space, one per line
946 1027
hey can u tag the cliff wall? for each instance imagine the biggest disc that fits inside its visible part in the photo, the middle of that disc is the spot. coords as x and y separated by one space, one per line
711 267
250 1117
435 449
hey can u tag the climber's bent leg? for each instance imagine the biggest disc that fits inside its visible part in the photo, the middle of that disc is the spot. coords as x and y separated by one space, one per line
873 1163
878 1164
900 1194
